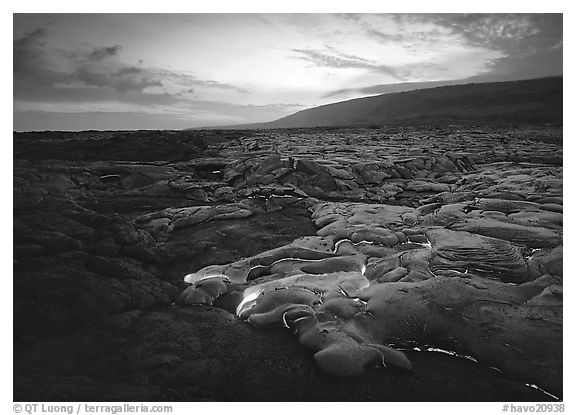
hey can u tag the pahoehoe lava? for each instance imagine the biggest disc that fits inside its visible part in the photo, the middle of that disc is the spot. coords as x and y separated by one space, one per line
392 263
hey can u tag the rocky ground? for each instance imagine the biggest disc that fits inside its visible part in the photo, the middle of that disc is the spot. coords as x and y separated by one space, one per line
384 264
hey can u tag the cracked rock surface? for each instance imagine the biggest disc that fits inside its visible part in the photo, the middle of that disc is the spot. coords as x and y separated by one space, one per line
390 264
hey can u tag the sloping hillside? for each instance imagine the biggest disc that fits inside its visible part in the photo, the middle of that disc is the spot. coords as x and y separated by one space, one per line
536 101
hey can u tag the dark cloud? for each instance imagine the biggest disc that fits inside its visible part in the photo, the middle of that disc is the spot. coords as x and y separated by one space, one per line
129 70
517 33
101 68
135 84
532 43
133 78
101 53
86 76
30 60
124 80
27 50
185 92
96 78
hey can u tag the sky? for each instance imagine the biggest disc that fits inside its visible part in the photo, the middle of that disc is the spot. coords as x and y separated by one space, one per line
174 71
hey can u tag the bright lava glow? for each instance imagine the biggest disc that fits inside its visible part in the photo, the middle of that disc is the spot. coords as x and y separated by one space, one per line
200 276
542 390
448 352
247 302
452 353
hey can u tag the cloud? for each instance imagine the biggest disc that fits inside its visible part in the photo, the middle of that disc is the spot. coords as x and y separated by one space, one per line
334 59
123 80
58 74
294 58
531 43
386 88
219 85
322 59
97 88
101 53
139 78
466 48
129 70
30 60
385 37
26 49
512 33
186 80
432 39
